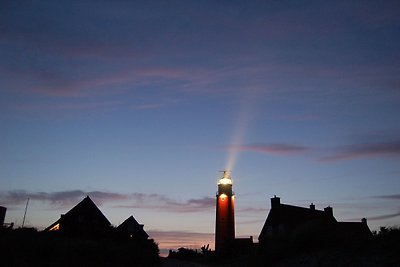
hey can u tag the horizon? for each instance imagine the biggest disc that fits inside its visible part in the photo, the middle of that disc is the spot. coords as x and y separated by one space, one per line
169 240
140 105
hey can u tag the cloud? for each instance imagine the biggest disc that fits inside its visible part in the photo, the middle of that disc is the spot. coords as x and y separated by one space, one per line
275 149
296 117
65 199
257 221
148 106
91 80
67 106
385 216
51 43
164 203
155 105
61 198
366 150
252 210
395 196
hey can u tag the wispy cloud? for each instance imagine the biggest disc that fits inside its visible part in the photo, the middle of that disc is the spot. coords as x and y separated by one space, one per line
162 103
67 106
395 196
384 145
275 149
257 221
365 150
64 199
383 217
81 83
164 203
297 117
252 210
148 106
84 85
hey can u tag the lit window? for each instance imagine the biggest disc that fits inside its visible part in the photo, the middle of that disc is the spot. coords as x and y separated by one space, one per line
225 181
55 227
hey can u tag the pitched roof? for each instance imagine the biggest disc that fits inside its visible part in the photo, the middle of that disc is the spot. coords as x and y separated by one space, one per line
294 216
84 216
132 227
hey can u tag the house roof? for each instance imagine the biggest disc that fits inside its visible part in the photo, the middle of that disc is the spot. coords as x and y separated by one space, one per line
84 216
130 221
131 226
294 216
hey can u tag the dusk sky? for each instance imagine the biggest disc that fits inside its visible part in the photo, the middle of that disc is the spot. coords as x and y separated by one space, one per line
140 104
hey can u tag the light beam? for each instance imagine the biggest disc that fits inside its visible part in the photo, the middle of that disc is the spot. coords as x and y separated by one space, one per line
246 114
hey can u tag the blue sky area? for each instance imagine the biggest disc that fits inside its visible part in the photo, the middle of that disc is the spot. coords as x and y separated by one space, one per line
140 104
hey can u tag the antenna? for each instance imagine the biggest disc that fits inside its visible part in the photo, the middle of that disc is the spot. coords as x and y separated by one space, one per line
226 173
26 208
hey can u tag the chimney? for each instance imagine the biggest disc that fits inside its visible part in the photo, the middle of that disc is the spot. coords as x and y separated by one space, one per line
275 202
312 206
328 211
364 220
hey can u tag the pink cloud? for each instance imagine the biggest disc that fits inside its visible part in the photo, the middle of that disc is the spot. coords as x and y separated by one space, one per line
164 203
70 198
67 106
366 150
67 85
252 210
59 199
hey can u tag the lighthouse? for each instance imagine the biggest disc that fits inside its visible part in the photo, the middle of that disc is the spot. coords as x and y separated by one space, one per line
225 220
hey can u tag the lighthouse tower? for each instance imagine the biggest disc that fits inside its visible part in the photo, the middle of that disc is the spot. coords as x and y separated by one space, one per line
225 221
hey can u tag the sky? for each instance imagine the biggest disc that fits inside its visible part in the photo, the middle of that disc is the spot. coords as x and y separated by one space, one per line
141 104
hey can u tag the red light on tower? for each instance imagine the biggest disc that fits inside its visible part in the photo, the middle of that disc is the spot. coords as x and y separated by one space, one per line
225 220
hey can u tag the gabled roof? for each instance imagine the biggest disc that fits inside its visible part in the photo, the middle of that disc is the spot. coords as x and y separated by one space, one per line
133 228
85 216
294 215
291 217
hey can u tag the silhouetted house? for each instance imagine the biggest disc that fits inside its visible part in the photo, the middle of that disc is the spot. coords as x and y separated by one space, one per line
85 218
133 229
243 246
297 224
353 230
